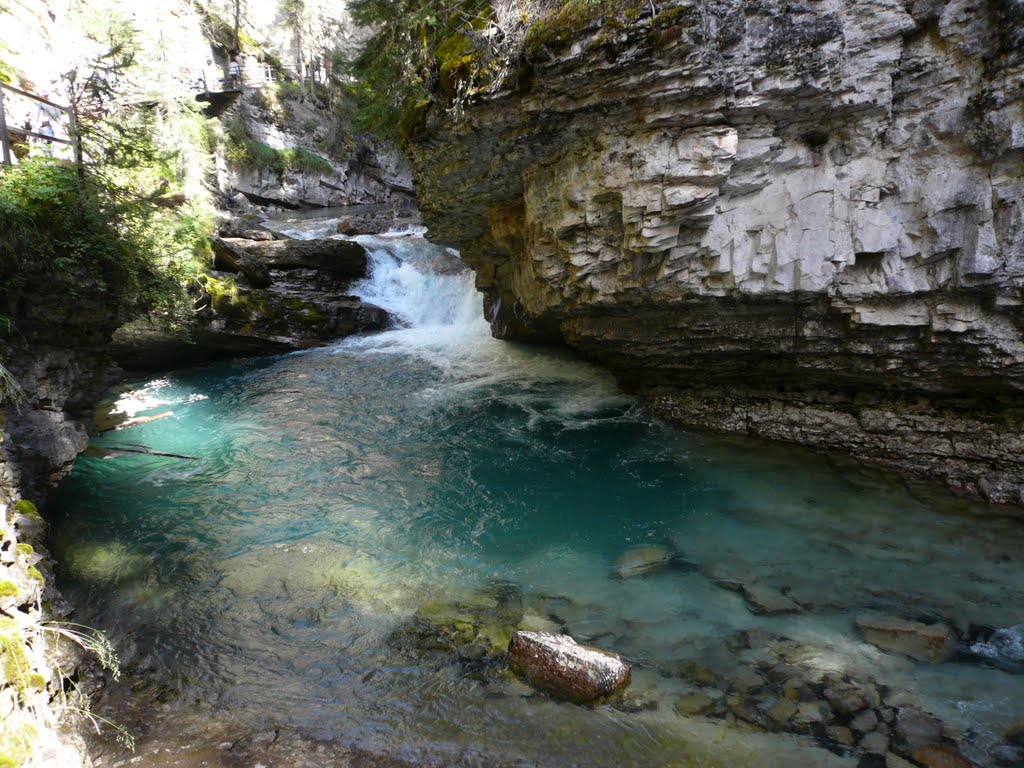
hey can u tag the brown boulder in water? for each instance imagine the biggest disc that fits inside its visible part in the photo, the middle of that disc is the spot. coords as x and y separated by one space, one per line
566 669
933 643
637 561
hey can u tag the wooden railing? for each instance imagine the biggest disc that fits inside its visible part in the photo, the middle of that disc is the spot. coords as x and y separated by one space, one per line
5 131
252 76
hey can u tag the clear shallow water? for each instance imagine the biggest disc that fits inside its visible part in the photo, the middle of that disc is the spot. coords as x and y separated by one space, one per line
335 493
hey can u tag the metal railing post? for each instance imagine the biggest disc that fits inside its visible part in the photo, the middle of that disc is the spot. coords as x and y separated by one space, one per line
5 136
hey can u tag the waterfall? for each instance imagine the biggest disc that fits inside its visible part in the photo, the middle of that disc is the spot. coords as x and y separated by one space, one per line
423 286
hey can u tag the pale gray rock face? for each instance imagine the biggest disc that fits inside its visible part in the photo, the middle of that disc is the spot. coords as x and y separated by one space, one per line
798 221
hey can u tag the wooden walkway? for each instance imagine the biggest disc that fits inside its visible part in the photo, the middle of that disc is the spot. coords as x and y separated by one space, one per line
7 133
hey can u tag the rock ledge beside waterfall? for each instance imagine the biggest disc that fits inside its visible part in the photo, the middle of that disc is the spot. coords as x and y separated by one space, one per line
798 222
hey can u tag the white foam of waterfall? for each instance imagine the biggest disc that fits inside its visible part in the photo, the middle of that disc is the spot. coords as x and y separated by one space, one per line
433 298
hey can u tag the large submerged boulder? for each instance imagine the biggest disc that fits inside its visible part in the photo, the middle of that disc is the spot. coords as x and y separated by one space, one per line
933 643
564 668
642 560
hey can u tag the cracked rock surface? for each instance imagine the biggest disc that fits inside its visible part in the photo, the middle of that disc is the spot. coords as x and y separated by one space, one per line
800 221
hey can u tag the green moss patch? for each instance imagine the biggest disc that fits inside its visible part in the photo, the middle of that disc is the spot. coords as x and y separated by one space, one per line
244 151
556 30
26 508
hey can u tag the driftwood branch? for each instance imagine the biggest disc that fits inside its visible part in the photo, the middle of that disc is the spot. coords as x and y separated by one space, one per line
148 452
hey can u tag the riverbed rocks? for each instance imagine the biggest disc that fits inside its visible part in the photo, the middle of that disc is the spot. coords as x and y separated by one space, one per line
559 665
764 599
797 222
932 643
642 560
778 685
941 756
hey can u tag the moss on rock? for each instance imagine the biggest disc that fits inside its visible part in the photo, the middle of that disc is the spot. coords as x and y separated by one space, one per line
27 508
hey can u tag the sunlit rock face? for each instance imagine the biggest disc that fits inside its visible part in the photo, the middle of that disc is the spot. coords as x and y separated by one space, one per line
800 221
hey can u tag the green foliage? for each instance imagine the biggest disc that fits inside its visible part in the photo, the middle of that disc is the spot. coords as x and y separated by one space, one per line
399 66
557 29
221 32
288 90
247 152
66 235
27 508
8 588
120 231
10 389
16 668
7 72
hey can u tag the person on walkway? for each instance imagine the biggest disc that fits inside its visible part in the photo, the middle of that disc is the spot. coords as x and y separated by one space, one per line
234 73
47 130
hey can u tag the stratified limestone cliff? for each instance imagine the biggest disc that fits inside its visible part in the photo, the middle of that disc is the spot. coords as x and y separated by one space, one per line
797 220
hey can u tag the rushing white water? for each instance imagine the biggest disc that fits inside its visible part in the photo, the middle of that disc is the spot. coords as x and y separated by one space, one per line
425 288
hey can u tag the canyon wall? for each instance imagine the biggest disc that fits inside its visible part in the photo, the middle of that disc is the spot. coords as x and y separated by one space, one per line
800 221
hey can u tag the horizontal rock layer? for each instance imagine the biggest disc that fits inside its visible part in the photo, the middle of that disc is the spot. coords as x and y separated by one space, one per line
798 221
283 295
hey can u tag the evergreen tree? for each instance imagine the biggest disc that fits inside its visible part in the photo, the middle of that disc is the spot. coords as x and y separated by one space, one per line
397 69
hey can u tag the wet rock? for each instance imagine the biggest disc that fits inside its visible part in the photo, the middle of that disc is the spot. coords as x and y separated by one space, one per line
874 743
695 673
917 729
783 673
229 256
892 760
366 225
639 561
562 667
748 639
746 709
933 643
747 680
1002 647
1008 755
782 711
341 258
694 703
840 734
865 722
849 698
941 756
1014 734
811 713
765 600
